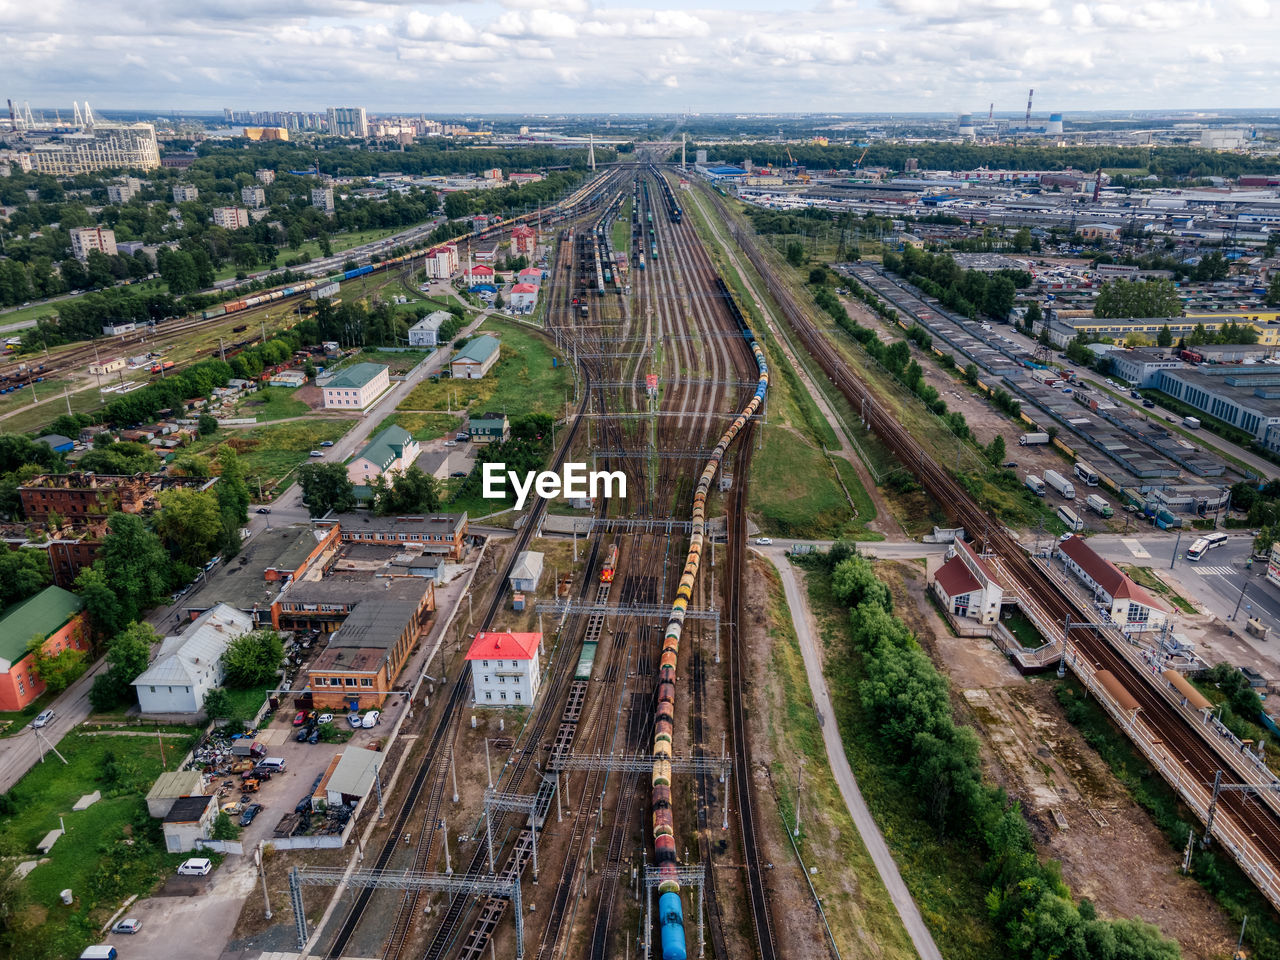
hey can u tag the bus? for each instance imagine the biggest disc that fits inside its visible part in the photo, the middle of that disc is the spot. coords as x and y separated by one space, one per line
1068 516
1204 544
1086 473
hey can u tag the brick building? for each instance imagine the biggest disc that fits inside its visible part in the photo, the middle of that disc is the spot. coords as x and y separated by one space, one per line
54 614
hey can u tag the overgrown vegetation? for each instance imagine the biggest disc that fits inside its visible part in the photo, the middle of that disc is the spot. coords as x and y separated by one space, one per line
896 703
970 292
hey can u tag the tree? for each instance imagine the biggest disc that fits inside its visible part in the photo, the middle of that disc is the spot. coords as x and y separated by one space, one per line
818 276
1199 336
191 522
218 705
207 424
325 487
23 574
410 492
252 659
1273 290
223 828
57 671
1138 298
497 301
795 253
127 656
133 562
996 450
1165 337
1034 315
105 616
232 491
1022 240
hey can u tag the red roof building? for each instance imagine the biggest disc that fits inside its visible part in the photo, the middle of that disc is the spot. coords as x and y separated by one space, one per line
523 241
1128 604
504 668
966 586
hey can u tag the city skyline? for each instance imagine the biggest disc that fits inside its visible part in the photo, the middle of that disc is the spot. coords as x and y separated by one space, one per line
517 56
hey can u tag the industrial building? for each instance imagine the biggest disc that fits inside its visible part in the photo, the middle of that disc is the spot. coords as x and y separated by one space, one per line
1064 329
1141 365
1247 397
443 534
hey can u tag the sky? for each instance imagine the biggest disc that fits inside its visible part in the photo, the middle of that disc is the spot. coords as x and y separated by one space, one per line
578 56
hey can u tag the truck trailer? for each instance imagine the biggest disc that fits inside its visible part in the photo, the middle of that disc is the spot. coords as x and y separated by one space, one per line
1098 505
1032 439
1060 484
1034 484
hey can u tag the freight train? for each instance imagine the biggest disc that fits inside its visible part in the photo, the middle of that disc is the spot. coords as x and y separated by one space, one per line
674 213
670 908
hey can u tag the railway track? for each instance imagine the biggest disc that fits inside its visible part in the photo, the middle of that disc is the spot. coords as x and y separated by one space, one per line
1187 744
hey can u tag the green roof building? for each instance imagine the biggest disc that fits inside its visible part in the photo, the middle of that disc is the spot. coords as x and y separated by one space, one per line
55 615
356 387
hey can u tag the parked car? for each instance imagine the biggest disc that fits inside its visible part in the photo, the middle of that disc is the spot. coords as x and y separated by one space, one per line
127 926
355 720
451 443
195 867
300 718
264 509
42 718
458 473
303 733
315 735
764 541
326 718
326 443
1011 465
371 719
316 453
251 811
462 436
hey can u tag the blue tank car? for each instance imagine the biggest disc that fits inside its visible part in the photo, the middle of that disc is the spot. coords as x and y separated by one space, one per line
671 922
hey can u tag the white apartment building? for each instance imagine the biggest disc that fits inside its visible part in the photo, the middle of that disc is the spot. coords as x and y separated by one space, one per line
254 197
183 192
265 177
504 669
85 239
104 146
230 218
322 197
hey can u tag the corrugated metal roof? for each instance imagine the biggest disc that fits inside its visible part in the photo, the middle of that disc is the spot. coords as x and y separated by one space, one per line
355 771
182 658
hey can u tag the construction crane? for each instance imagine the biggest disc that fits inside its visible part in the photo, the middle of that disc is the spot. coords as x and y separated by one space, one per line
1030 93
858 164
795 167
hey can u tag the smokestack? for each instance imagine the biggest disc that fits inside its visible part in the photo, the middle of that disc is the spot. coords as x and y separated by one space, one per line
1030 93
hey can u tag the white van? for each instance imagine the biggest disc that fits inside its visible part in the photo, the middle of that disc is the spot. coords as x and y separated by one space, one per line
272 764
195 867
100 952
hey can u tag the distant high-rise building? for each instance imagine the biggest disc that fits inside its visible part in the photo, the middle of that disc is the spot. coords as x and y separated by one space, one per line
230 218
700 156
322 197
99 148
253 196
266 133
86 239
265 177
913 163
183 192
348 122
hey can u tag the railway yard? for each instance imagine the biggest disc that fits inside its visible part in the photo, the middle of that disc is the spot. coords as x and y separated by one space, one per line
639 805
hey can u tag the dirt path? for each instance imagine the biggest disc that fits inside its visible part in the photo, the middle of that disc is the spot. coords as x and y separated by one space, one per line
807 634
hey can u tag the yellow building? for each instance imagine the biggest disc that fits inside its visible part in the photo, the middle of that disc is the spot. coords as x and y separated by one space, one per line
1267 323
266 133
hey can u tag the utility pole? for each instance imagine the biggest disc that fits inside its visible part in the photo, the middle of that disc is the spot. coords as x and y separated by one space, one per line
1175 549
799 793
1239 601
263 874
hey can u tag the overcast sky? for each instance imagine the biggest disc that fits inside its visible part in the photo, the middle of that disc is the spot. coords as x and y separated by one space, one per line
587 56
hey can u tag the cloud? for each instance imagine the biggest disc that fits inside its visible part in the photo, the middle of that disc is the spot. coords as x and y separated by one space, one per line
486 55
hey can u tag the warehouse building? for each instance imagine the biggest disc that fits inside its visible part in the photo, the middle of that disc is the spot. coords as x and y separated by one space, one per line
1141 365
1247 397
476 359
1063 329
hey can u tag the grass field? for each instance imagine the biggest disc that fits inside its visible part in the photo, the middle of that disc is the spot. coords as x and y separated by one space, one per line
523 380
272 403
622 229
399 361
941 873
110 850
1147 578
271 452
795 492
424 426
855 908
